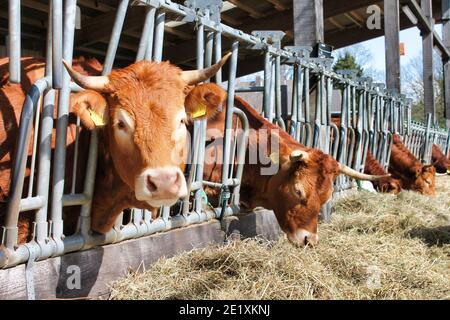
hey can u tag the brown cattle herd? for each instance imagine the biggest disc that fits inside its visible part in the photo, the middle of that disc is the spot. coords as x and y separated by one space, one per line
142 114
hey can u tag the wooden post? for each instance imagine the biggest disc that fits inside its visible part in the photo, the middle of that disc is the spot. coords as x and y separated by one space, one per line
392 43
308 22
308 31
446 40
428 65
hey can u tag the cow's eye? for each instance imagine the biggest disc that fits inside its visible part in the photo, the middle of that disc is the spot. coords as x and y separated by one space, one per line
121 125
298 191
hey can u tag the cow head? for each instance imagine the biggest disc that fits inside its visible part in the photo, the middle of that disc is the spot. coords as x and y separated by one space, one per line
298 191
425 182
440 161
141 112
390 185
301 186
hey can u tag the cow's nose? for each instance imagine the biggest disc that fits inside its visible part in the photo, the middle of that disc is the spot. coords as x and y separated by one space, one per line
166 183
303 238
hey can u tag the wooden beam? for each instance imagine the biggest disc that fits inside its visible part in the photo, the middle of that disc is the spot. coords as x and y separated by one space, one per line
357 17
333 21
100 266
446 41
97 5
392 44
26 20
280 6
352 19
102 53
336 7
35 5
428 62
337 38
346 37
426 26
180 34
308 22
249 9
99 28
231 21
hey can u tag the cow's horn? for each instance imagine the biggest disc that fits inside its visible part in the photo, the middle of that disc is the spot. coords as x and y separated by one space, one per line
358 175
298 155
96 83
196 76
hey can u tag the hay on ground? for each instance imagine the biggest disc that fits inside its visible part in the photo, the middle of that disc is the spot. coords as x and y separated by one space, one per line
376 247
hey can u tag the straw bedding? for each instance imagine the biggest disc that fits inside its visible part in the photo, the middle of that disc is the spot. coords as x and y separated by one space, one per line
376 247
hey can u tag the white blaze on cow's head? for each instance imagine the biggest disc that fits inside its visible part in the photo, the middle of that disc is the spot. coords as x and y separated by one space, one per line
141 111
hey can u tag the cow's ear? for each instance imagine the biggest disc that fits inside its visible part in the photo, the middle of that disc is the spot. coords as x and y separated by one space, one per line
91 107
204 101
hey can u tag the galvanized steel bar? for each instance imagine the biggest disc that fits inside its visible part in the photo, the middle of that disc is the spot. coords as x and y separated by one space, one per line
45 144
115 36
10 230
159 35
61 126
278 117
218 55
267 83
14 40
200 125
146 42
229 111
57 43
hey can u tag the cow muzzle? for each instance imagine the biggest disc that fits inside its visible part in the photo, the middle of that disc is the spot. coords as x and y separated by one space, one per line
303 238
160 186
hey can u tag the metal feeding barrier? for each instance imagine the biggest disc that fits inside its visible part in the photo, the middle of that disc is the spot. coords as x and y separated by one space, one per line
369 116
421 138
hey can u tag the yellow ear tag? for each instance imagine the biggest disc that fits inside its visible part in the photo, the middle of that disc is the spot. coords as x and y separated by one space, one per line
199 111
98 121
275 157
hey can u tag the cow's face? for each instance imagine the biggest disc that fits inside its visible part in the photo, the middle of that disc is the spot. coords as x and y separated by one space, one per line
303 185
425 182
390 185
142 114
440 161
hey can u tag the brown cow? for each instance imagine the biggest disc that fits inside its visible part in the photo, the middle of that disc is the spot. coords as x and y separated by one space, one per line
140 115
404 166
439 160
303 183
12 97
373 167
387 184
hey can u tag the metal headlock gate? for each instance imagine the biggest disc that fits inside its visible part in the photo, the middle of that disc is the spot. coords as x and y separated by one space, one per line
369 117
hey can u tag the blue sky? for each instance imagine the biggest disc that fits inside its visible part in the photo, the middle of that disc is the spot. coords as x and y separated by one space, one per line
413 47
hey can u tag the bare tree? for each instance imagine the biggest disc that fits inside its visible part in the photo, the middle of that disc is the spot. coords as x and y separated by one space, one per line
412 86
